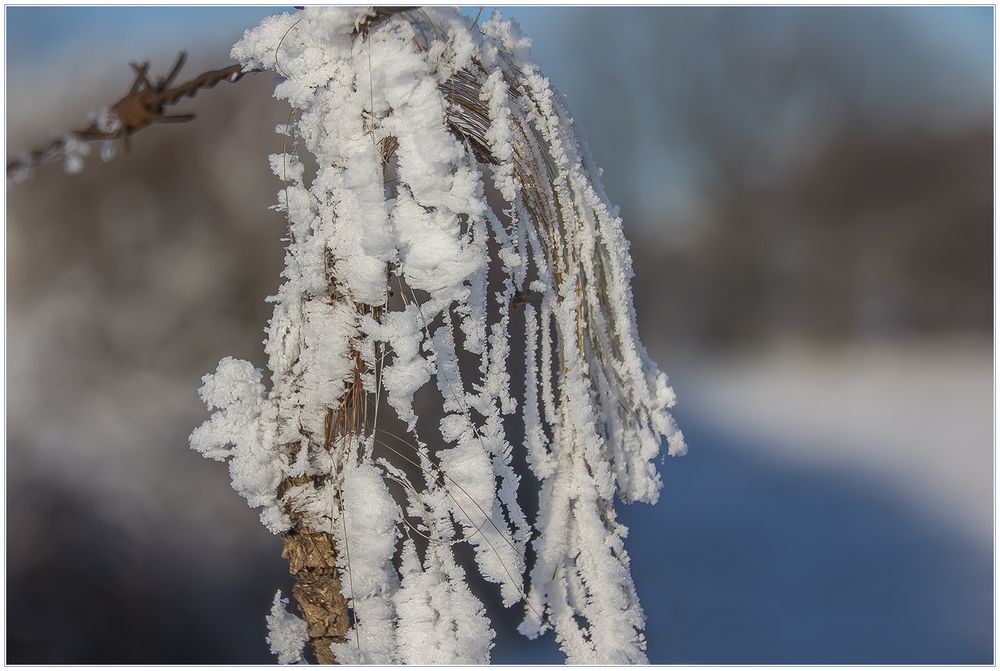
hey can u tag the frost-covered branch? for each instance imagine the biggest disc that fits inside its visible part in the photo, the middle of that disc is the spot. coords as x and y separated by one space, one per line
444 222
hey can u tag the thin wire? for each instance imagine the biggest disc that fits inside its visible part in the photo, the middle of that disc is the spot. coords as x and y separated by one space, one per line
434 28
487 517
409 485
462 489
277 66
378 375
350 570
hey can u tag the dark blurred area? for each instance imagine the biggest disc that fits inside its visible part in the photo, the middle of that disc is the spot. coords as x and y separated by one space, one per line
874 233
809 194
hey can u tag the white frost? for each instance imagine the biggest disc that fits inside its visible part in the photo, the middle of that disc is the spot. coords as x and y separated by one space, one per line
286 633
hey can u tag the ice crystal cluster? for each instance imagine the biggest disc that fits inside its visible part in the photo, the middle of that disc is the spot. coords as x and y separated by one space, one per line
443 211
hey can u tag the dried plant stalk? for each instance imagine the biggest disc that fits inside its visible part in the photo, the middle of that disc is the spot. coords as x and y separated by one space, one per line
408 114
312 561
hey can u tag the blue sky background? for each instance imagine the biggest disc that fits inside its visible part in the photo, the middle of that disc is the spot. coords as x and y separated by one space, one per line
41 33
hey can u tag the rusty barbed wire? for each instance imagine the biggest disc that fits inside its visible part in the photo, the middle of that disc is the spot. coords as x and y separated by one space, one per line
145 104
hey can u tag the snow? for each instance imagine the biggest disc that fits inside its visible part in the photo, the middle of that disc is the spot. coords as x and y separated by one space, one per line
419 220
912 414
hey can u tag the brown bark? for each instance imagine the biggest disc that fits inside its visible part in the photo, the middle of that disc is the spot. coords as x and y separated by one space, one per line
312 561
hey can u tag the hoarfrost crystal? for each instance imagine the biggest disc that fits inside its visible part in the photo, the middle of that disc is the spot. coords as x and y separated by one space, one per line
444 221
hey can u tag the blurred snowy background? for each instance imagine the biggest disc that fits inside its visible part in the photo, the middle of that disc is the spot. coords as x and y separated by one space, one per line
809 195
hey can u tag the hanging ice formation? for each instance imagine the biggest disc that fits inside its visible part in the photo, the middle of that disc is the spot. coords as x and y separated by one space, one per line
434 189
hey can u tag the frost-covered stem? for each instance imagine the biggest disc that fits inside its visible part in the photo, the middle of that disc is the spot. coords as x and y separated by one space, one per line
312 552
444 167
